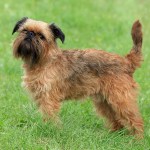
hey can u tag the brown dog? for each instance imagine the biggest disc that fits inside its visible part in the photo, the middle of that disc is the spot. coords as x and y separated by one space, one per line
53 75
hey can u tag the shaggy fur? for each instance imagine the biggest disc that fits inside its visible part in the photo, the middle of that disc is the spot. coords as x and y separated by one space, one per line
53 75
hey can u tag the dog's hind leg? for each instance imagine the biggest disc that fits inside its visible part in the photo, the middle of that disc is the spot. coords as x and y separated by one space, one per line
104 109
122 99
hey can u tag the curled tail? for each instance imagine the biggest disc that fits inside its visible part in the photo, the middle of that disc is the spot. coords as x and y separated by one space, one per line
135 55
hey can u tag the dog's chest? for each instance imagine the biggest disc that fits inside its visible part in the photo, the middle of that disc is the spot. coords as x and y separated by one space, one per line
37 83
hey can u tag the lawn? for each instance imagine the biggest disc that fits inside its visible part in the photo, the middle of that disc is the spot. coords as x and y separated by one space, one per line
87 24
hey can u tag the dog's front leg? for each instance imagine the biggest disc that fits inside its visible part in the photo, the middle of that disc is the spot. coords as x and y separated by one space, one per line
49 106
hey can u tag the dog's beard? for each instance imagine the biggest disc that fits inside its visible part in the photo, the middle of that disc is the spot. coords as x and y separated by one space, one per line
29 50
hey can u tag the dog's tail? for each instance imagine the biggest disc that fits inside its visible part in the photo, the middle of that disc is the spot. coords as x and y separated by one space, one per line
135 55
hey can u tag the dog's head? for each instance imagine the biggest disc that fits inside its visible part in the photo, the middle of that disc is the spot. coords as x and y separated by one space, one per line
35 39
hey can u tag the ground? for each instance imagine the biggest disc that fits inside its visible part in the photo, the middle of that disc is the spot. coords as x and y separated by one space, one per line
87 24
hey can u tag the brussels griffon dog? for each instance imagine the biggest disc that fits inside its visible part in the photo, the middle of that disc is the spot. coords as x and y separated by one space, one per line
53 75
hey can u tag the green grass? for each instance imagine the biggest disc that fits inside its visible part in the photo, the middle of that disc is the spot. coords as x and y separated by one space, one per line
87 24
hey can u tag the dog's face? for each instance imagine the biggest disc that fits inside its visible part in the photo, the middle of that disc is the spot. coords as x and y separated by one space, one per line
35 39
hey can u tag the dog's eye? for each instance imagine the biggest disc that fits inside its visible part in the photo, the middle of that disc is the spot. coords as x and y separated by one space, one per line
24 30
41 36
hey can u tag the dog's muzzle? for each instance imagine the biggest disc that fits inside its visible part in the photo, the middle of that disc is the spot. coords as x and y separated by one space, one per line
30 35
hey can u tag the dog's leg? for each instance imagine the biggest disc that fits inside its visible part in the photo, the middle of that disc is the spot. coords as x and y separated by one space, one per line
106 111
49 108
124 104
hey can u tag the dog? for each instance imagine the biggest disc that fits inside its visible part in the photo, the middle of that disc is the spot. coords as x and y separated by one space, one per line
53 75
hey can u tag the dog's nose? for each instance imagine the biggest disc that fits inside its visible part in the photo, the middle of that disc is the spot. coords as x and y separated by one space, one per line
31 34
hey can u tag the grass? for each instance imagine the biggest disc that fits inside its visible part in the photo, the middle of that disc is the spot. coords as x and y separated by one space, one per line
87 24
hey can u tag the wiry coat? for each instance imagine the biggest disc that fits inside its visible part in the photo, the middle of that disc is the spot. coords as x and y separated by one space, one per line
59 75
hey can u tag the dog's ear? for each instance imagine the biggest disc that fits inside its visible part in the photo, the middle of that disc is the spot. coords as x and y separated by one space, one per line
57 32
19 24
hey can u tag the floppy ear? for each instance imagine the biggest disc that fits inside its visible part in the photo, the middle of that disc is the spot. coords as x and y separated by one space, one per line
57 32
19 24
